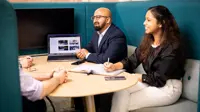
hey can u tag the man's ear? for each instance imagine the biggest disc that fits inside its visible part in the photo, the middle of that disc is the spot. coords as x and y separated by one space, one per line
108 20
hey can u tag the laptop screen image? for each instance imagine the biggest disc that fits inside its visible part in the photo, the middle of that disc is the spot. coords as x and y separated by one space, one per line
66 44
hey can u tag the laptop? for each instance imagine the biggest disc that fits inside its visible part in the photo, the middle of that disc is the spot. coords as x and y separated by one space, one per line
63 47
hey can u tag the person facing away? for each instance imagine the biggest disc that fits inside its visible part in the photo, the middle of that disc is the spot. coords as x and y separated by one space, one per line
35 88
107 42
162 57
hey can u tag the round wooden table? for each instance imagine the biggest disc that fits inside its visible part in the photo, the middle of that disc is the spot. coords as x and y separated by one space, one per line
80 84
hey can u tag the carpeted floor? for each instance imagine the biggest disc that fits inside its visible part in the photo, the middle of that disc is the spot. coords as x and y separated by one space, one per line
60 104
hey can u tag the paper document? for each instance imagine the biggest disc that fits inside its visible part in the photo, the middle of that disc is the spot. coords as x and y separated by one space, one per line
95 69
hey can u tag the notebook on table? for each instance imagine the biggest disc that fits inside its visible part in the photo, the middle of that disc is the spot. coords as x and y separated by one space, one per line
63 47
97 69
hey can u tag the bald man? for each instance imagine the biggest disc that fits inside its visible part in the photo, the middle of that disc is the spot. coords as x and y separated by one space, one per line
108 41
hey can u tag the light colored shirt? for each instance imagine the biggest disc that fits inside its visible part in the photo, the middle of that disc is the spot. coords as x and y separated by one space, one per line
30 87
101 35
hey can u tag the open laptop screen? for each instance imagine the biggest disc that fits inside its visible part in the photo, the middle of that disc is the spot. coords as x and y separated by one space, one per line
64 44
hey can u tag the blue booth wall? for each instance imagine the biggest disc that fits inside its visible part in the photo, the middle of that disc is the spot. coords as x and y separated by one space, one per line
129 16
10 95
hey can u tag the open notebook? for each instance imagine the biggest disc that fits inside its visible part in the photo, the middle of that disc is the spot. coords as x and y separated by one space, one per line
95 69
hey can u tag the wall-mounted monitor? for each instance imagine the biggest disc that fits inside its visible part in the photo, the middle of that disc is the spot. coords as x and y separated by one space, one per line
35 24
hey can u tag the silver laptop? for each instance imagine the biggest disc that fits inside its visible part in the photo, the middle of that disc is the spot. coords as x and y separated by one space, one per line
63 47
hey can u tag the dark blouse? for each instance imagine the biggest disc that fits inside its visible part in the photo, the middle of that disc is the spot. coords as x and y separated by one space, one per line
163 63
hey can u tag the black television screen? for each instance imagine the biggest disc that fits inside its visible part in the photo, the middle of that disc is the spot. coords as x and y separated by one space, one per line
35 24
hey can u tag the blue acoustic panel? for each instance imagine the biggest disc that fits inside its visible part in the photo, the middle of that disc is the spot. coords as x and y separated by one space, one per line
10 98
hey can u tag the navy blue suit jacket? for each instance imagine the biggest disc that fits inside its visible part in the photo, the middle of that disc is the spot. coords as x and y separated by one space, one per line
113 46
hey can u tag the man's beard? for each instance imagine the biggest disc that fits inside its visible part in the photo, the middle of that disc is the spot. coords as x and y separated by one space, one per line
98 28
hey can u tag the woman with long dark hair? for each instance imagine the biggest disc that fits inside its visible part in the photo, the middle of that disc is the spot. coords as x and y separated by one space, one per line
162 58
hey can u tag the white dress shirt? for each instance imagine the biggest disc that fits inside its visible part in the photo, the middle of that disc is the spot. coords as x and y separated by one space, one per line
101 35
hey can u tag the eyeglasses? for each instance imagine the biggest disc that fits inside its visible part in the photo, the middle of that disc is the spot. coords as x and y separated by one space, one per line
98 17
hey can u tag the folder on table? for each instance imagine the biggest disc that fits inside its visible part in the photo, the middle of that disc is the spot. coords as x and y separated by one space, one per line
97 69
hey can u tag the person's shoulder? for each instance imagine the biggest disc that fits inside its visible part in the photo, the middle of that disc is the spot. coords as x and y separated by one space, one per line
115 27
173 47
116 30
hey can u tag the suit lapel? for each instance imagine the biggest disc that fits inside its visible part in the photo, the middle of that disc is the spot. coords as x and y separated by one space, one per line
105 37
96 42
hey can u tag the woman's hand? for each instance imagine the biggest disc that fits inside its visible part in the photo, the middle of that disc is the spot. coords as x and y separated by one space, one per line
109 67
138 76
